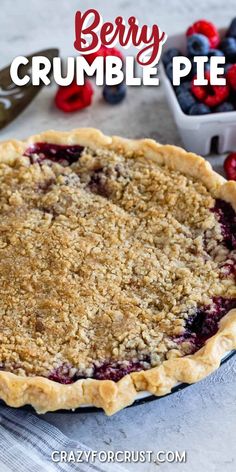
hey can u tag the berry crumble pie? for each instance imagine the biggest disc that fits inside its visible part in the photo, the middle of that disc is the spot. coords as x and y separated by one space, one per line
117 270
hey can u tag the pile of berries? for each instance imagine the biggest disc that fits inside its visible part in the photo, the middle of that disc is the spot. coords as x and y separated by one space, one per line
76 97
203 39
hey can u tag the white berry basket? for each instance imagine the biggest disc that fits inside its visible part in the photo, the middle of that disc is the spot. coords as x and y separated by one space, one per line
199 132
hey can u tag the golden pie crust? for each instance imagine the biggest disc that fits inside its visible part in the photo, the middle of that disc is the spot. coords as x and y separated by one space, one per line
47 395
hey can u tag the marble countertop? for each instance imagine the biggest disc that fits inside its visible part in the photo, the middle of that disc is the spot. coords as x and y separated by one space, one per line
200 419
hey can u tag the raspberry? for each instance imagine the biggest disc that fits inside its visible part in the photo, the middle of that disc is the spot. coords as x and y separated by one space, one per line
231 76
198 91
230 166
74 97
207 29
104 52
217 95
211 95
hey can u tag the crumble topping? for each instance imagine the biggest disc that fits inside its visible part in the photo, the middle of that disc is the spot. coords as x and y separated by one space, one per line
105 264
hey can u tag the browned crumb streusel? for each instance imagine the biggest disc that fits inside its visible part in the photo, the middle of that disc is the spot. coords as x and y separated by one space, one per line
102 261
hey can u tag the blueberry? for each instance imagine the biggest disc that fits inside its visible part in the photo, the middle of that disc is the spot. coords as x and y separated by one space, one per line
228 46
232 29
169 54
169 71
199 109
194 68
198 45
186 100
114 94
224 107
227 67
215 52
184 87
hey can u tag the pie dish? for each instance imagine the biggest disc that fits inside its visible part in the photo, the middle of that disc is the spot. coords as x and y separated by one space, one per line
117 269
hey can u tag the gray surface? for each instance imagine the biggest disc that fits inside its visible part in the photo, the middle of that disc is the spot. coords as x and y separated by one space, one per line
200 419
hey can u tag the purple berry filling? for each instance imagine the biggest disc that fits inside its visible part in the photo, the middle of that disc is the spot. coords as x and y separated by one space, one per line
199 327
227 218
106 371
62 375
204 323
65 155
98 183
229 268
116 370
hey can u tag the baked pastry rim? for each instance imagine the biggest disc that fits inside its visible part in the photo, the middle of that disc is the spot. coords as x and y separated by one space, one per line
46 395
